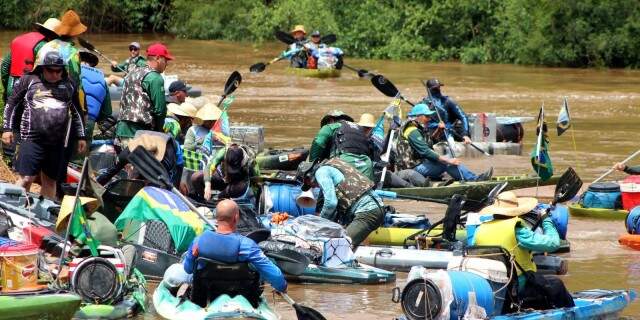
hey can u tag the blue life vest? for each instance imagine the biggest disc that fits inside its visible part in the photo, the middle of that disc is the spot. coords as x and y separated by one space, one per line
219 247
95 90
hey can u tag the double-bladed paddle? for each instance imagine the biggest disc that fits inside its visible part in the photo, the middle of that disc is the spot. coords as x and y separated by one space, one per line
567 187
387 88
303 312
87 45
289 261
233 82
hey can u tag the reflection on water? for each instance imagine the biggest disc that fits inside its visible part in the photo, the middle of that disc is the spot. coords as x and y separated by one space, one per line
604 107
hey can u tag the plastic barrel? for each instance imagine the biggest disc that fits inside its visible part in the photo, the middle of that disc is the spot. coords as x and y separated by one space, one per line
560 217
284 197
465 282
633 221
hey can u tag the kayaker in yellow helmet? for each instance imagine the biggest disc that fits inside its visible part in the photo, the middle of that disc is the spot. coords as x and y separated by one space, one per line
510 232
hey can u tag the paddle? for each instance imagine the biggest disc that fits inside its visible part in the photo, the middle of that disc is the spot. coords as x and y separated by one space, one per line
261 66
567 187
87 45
303 312
284 37
290 261
387 88
612 169
362 73
233 82
152 170
395 195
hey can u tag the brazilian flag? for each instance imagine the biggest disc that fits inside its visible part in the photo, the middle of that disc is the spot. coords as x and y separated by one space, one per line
540 159
80 230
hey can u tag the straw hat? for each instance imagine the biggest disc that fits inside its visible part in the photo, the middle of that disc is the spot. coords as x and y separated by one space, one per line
508 204
70 25
184 109
197 102
209 112
298 28
367 120
48 27
66 207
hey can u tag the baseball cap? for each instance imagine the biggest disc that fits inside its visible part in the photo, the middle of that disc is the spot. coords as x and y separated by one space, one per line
134 44
160 50
178 85
434 83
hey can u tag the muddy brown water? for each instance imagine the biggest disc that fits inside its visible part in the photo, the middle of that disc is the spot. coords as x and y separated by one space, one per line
605 107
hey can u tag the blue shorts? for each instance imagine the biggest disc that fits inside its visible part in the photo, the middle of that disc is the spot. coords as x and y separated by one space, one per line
33 158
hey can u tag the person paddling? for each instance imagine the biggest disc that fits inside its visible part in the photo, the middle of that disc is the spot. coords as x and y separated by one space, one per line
452 115
296 52
633 170
135 60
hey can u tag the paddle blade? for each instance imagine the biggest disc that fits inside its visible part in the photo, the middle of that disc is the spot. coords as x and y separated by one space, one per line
284 37
362 73
329 39
289 261
232 83
568 186
86 44
149 167
307 313
258 67
384 85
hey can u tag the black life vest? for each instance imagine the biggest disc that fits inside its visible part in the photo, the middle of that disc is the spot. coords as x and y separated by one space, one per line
350 138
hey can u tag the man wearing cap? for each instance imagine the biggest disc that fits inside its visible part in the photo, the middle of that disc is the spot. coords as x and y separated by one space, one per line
453 117
510 232
143 105
48 102
340 137
96 91
296 52
314 44
179 119
178 92
414 150
134 60
348 196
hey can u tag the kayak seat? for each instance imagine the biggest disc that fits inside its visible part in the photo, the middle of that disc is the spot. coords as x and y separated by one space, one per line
214 278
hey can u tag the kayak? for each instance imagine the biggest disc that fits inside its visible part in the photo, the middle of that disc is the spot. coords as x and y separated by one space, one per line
589 304
133 303
315 73
39 305
630 240
467 151
361 274
399 259
598 213
475 190
282 159
169 306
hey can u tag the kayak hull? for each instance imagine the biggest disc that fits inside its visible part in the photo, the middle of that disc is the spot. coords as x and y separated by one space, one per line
39 306
315 73
286 159
362 274
630 240
578 210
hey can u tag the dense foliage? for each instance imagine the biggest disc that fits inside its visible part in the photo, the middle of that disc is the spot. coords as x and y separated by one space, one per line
575 33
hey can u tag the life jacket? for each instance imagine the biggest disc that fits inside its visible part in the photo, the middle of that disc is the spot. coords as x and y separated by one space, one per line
350 137
22 55
95 90
135 105
502 232
405 157
222 273
352 188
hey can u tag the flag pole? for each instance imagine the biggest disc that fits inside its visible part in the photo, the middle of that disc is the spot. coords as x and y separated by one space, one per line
539 145
571 124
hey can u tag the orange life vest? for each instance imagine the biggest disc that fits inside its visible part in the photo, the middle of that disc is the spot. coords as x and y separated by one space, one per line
22 56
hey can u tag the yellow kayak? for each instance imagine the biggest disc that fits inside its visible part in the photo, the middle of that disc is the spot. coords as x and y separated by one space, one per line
396 236
597 213
315 73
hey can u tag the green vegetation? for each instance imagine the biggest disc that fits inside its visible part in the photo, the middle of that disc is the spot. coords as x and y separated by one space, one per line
576 33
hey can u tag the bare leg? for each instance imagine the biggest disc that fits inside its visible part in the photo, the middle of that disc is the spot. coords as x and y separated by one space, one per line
48 186
25 182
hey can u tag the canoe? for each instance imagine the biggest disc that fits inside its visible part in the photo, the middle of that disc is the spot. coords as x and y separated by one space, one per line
399 259
360 274
169 306
475 190
590 304
630 240
315 73
39 305
597 213
281 159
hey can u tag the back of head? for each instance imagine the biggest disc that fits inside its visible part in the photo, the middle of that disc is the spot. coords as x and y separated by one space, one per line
226 212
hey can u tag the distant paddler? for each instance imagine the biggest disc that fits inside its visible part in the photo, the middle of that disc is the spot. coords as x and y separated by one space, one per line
134 60
453 117
295 52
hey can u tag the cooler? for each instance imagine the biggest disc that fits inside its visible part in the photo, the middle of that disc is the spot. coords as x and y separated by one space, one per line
630 189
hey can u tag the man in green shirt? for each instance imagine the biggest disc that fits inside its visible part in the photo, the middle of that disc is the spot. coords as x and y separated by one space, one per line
135 60
143 105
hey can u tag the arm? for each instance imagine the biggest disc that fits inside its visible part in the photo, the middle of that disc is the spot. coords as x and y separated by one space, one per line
420 146
455 109
635 170
327 177
154 85
547 242
105 109
213 164
190 139
77 120
321 143
4 73
190 258
15 103
251 253
121 67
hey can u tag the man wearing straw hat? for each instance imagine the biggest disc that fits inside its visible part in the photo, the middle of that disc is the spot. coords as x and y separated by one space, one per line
179 119
100 227
510 232
96 91
299 59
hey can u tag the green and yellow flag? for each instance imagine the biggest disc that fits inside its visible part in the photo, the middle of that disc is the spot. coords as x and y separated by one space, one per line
79 228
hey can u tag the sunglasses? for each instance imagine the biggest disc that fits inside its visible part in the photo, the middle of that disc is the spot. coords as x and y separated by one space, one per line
54 70
133 49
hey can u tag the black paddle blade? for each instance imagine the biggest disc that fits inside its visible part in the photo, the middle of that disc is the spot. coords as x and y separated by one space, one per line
289 261
307 313
284 37
86 44
149 167
493 194
259 235
362 73
384 85
258 67
568 186
232 83
329 39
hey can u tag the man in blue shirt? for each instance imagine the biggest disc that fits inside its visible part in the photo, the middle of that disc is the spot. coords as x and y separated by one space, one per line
452 115
227 246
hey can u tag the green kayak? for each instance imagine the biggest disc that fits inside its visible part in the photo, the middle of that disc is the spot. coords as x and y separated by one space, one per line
39 306
315 73
169 306
598 213
362 274
475 190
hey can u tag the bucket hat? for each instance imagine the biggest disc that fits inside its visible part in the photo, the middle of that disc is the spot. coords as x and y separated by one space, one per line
334 114
420 109
48 27
209 112
184 109
70 25
298 28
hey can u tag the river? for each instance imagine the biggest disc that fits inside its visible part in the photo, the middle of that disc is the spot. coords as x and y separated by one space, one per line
605 109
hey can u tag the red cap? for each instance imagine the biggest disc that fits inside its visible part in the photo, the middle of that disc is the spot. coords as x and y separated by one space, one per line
160 50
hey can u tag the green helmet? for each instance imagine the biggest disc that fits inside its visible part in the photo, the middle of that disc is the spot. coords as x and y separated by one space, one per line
334 115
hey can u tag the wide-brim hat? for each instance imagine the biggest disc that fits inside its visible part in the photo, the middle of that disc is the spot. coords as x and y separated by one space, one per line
48 27
367 120
66 207
88 56
334 114
70 25
298 28
209 112
508 204
184 109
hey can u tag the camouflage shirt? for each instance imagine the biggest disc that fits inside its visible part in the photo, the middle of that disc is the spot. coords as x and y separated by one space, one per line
412 147
143 105
352 188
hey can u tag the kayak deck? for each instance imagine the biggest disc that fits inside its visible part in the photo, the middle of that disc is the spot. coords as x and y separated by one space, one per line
39 306
361 274
597 213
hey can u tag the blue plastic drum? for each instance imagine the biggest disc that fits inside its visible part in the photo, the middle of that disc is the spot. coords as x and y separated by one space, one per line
284 197
465 282
633 221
